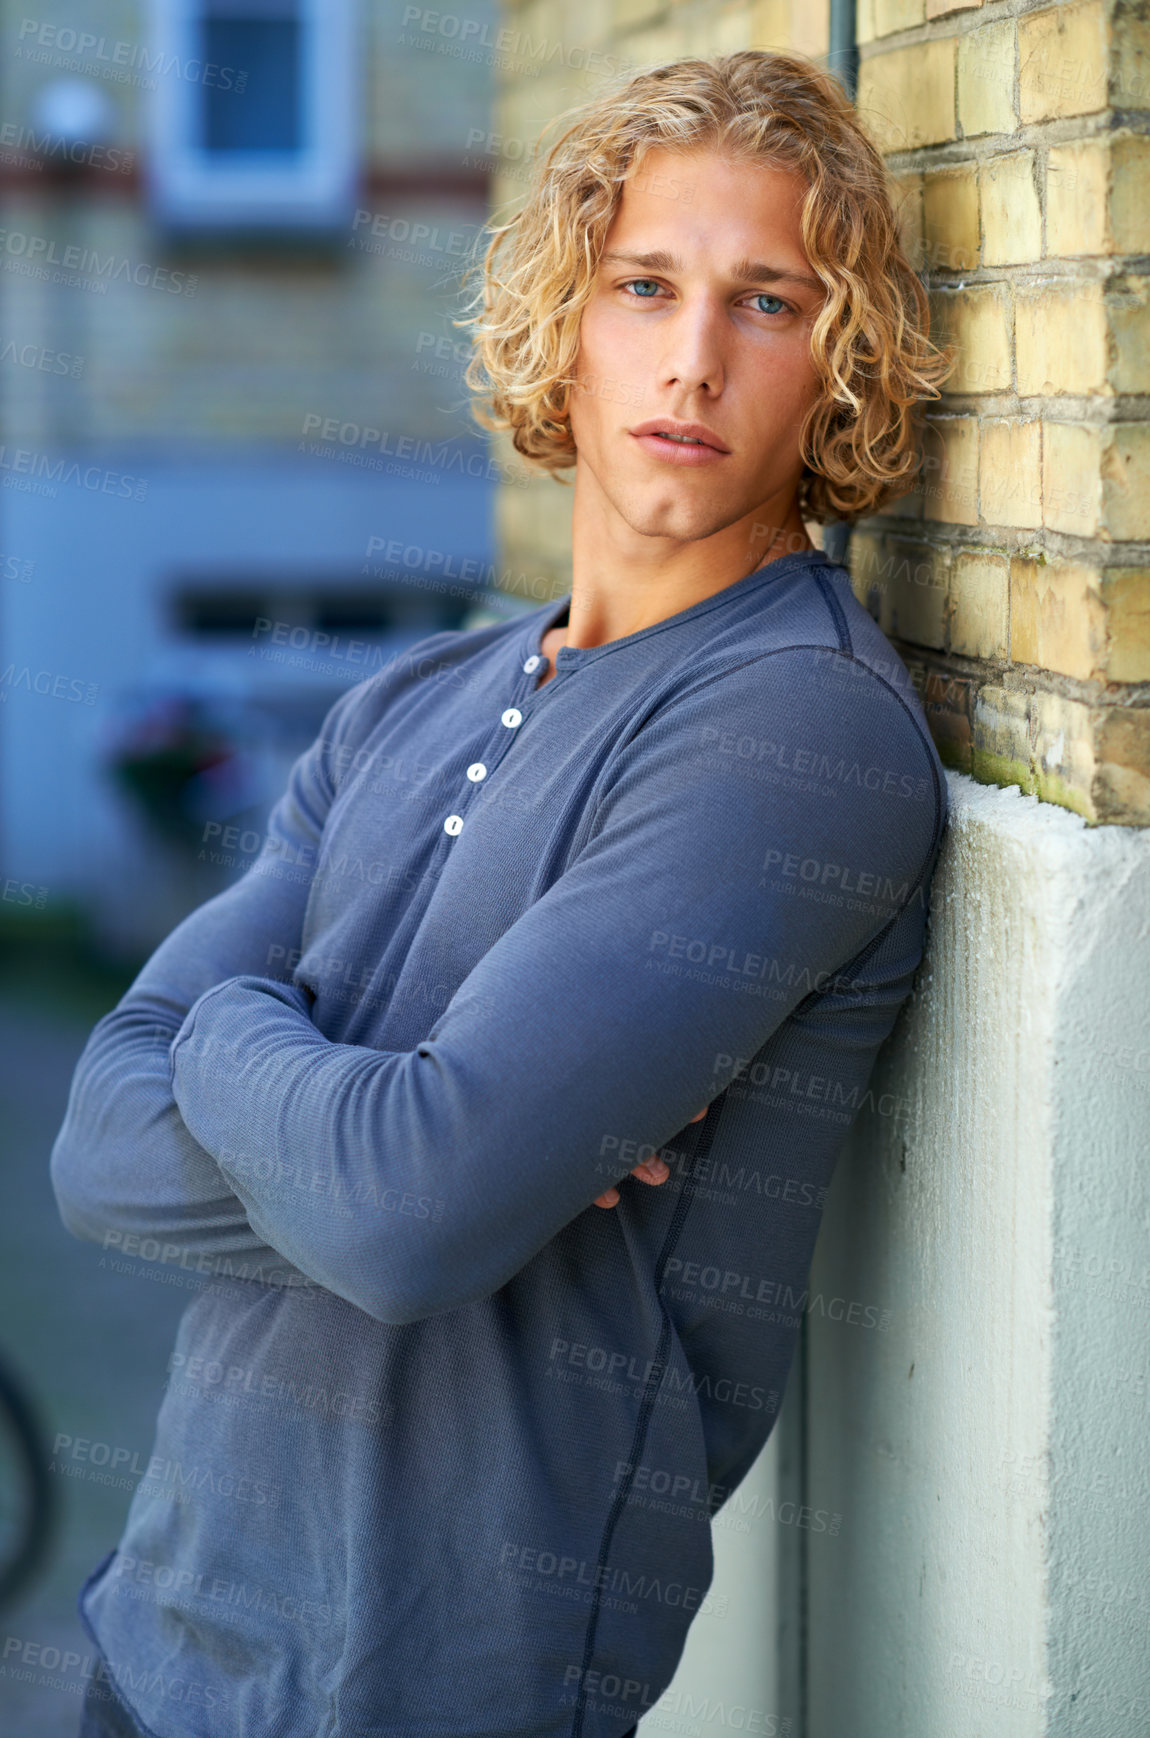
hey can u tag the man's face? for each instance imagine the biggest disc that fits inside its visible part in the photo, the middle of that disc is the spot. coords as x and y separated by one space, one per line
695 318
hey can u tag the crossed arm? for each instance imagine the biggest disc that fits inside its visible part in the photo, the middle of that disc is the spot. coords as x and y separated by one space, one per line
125 1167
415 1182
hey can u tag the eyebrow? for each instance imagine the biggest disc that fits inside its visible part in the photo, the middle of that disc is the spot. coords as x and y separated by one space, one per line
745 271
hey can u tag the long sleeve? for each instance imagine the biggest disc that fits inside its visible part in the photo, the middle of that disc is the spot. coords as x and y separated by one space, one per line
700 911
125 1168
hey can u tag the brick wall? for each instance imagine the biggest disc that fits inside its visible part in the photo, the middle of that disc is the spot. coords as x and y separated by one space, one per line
1016 581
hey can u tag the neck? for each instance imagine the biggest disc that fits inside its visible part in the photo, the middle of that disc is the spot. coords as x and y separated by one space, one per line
623 581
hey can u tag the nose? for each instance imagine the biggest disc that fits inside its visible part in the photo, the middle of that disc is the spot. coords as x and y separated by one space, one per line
693 357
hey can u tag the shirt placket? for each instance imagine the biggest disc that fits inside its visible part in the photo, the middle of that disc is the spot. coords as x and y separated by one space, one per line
510 720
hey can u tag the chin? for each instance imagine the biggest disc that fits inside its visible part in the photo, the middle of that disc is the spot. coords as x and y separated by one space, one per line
685 521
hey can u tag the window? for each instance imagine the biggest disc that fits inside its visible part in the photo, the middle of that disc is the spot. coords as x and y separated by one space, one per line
243 611
253 114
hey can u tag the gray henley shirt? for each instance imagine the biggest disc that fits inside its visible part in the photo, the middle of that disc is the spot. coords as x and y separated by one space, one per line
441 1440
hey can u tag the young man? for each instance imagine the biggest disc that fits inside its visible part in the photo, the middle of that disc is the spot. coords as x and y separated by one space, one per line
645 870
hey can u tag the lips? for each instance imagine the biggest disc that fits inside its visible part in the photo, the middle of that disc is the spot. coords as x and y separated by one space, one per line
674 433
680 444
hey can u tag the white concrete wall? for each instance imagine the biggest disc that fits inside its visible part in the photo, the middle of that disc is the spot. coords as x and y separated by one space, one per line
988 1450
728 1680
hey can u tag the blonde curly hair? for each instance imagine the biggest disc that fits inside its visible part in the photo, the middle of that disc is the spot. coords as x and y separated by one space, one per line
869 342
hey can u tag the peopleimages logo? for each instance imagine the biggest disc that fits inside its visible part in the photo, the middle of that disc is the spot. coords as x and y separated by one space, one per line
581 1573
42 250
687 1496
603 1690
119 59
615 1368
24 465
26 147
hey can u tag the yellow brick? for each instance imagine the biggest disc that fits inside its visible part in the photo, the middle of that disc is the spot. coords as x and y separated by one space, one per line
732 29
534 528
1072 478
892 15
909 505
655 44
1130 57
986 80
950 446
811 27
1062 62
906 196
628 15
1060 339
1000 738
950 219
1130 193
522 113
696 32
1128 300
939 8
864 21
1010 472
906 97
863 558
977 321
904 585
1126 480
597 21
771 24
1077 198
916 592
1057 617
979 605
1126 594
1122 753
946 700
1098 196
1065 766
540 21
1011 215
791 25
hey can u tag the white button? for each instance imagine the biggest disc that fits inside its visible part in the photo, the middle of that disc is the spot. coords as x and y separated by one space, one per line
512 717
476 771
453 824
532 663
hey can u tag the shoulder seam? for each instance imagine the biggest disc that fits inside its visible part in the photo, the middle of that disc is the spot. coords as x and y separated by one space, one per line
837 614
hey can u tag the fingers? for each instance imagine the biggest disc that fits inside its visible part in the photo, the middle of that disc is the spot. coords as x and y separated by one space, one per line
651 1171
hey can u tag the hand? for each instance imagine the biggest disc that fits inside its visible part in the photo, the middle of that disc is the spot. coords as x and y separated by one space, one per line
654 1170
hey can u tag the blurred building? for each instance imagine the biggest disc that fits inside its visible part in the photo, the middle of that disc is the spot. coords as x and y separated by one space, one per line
238 466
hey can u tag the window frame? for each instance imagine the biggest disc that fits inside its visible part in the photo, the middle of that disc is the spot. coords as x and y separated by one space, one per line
314 189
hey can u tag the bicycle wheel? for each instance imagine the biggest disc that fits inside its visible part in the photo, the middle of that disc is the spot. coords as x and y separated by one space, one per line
27 1499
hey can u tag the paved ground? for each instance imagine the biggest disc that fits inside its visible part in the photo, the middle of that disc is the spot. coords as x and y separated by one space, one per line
91 1345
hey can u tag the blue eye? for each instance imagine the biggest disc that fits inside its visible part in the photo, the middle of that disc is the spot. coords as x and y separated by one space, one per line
646 289
765 296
